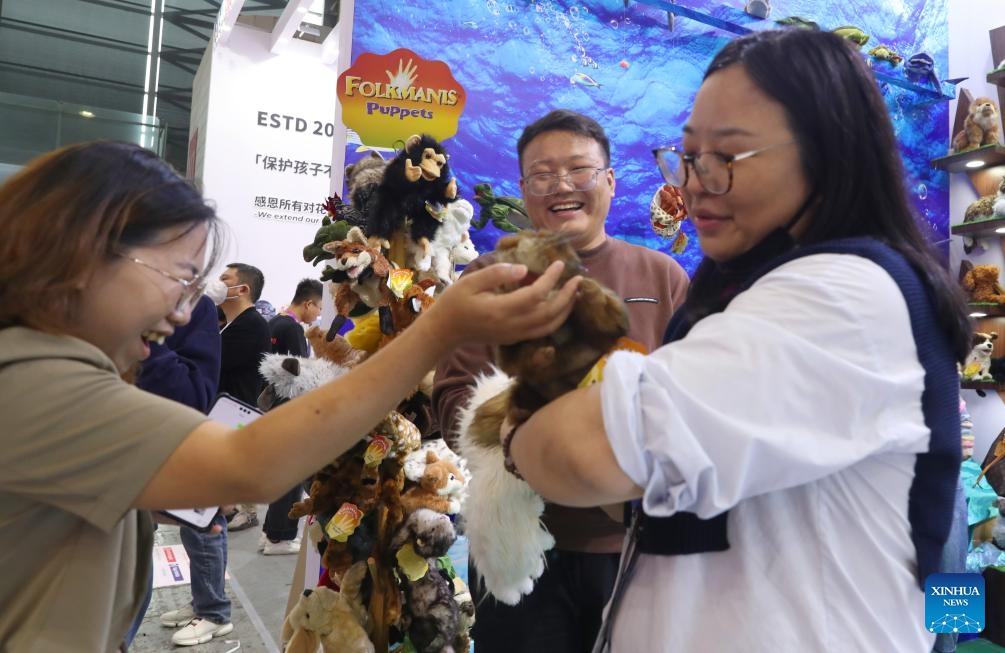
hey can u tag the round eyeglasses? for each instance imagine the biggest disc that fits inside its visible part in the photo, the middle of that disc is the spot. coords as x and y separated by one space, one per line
191 289
714 170
546 183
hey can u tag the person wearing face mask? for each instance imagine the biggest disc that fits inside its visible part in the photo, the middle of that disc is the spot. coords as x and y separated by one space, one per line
85 455
279 532
246 339
567 184
795 444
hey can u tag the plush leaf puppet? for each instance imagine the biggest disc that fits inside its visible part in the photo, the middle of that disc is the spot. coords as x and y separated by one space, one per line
506 213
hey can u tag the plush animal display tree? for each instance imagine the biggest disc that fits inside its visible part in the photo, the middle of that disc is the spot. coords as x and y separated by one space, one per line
385 503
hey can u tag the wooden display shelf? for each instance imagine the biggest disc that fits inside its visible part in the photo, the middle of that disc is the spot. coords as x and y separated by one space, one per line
997 77
978 227
991 155
989 309
982 385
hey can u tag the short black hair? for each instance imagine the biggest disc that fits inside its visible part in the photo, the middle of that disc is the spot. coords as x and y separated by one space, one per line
564 120
252 276
307 289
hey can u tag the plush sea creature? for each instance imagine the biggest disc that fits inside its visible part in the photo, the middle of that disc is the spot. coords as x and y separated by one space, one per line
666 213
506 213
798 21
854 34
883 53
758 8
920 67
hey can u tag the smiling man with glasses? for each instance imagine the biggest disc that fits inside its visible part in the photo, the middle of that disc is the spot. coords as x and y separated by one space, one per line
567 183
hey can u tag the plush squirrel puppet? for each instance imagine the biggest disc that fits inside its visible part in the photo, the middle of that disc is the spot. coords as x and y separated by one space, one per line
502 513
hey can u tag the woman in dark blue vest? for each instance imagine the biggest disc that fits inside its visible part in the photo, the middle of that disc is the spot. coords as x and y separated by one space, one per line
796 444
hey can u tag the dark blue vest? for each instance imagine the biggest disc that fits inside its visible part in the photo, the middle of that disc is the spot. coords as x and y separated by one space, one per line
936 471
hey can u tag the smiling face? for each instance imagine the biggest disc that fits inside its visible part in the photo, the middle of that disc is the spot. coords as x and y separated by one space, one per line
581 214
125 304
732 115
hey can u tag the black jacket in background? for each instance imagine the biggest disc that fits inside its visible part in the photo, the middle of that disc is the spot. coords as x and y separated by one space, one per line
245 340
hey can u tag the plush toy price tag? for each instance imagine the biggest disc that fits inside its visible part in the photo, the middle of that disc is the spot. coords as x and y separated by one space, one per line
344 523
411 563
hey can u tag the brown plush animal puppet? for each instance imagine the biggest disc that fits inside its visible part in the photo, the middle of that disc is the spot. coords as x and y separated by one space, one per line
359 274
547 367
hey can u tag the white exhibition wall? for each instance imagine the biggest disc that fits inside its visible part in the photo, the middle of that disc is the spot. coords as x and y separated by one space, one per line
261 145
970 56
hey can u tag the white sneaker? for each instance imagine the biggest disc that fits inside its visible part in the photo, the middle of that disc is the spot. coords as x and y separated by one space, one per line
283 547
200 631
262 540
242 520
176 618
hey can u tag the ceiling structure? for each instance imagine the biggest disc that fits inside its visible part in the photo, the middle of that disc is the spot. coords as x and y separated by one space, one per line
105 53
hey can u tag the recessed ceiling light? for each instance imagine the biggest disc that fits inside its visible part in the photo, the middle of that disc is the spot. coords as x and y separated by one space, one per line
86 114
976 163
1000 230
978 315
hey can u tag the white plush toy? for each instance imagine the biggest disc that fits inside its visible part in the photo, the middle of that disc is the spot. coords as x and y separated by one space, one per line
452 243
502 514
978 364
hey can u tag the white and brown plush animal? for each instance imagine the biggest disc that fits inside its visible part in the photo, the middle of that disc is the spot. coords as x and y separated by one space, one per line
451 244
359 274
978 364
333 621
506 539
980 127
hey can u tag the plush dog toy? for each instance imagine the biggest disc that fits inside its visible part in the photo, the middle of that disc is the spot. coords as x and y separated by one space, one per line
980 127
333 621
981 283
413 193
978 364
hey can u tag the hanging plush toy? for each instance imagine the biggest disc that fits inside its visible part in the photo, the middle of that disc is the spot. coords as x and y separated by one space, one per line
410 200
667 212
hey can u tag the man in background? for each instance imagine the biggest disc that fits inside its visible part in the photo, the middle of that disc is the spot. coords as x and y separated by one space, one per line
245 339
279 533
567 184
186 368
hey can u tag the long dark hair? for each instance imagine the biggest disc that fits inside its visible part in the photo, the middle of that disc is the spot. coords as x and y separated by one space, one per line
848 151
72 209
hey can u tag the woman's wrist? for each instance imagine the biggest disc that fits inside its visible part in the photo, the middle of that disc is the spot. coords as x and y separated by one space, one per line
507 444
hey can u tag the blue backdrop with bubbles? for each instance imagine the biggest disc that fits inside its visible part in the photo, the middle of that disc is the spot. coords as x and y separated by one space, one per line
621 63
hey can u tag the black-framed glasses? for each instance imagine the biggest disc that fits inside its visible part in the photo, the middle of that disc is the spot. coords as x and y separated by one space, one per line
191 289
714 170
546 183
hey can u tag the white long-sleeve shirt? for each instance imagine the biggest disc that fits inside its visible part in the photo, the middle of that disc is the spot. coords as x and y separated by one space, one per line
798 409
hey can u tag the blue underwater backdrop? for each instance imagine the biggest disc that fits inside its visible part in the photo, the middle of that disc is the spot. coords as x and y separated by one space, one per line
622 63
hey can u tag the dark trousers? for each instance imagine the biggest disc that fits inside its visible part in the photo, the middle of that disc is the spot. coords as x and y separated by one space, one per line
561 615
278 526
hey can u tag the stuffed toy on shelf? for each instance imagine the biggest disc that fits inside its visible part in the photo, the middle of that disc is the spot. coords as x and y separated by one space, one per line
982 286
980 127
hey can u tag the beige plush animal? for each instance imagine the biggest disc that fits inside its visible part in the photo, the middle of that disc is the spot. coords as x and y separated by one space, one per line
334 621
980 127
438 488
981 284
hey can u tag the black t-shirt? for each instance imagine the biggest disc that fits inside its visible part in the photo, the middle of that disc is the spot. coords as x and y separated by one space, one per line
287 336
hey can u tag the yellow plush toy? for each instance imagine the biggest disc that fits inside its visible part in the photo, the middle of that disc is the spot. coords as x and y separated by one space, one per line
334 621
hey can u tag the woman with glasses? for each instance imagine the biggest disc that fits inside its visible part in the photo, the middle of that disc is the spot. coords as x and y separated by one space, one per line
84 455
795 444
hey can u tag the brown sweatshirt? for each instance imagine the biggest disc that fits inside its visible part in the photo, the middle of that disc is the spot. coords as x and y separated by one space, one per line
653 285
